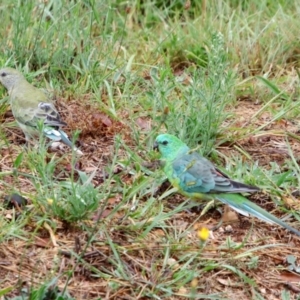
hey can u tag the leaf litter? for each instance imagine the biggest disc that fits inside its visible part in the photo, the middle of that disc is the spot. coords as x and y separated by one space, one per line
265 256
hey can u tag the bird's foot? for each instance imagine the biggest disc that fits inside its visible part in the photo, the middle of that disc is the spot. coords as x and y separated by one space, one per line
54 146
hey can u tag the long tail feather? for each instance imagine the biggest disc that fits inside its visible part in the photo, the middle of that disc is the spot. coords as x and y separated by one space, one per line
59 135
244 206
65 139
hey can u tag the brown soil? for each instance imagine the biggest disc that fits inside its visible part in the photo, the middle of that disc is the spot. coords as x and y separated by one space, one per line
25 263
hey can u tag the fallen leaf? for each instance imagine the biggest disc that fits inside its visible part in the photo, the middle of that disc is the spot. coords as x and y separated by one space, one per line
194 283
113 200
292 287
229 215
228 228
229 282
90 169
102 214
44 243
183 291
143 123
181 224
291 202
172 262
9 216
158 232
289 276
101 118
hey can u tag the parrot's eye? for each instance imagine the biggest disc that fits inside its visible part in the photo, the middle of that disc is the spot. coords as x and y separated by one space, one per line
165 143
3 74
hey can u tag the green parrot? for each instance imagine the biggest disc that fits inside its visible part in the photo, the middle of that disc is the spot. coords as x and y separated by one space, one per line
196 177
30 106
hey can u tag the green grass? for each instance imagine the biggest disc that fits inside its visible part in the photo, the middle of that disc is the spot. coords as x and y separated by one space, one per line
184 68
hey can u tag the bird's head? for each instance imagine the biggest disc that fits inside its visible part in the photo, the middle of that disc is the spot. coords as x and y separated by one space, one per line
169 146
9 77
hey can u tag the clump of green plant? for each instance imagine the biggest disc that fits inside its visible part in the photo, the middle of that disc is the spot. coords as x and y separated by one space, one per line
69 195
195 112
46 291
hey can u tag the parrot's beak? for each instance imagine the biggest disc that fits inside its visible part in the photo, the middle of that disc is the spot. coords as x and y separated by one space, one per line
155 146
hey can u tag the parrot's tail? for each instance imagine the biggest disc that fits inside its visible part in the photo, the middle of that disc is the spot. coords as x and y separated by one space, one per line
60 135
245 207
65 139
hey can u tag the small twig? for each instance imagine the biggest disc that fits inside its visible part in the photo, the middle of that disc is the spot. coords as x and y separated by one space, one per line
292 287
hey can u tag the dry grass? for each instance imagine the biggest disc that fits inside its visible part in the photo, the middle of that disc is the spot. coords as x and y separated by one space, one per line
47 251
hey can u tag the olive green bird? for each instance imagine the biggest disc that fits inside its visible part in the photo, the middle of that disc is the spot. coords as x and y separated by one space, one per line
31 107
196 177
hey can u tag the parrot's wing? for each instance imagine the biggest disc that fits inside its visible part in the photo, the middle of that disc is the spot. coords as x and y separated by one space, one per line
47 113
196 174
44 111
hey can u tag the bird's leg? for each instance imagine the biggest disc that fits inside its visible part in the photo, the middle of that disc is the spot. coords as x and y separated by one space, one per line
29 144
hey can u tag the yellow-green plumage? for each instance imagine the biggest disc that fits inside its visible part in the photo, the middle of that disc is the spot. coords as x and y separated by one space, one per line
31 107
196 177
